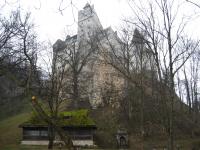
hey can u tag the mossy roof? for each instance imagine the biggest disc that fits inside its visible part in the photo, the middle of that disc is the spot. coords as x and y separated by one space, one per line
76 118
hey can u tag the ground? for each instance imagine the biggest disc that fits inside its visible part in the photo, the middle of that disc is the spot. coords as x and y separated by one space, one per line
11 136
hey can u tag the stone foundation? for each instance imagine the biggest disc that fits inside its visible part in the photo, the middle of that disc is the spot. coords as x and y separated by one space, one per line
35 142
83 142
75 142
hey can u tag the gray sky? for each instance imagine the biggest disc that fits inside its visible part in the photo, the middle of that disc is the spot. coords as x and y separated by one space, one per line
51 24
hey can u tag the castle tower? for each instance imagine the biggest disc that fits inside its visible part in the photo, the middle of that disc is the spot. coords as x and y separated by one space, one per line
88 22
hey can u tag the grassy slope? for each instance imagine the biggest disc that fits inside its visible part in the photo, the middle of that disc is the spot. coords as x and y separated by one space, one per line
107 126
12 106
10 136
9 131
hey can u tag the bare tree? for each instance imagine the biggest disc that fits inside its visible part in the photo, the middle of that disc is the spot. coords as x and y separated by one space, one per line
10 28
18 44
130 57
77 58
163 43
193 3
53 125
29 47
67 64
191 79
53 97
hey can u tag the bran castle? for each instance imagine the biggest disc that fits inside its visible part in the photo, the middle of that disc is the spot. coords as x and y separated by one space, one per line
100 77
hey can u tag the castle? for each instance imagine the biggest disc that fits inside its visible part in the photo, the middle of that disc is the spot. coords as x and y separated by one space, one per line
86 54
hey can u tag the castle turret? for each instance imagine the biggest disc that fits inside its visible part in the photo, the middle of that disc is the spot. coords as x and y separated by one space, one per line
88 22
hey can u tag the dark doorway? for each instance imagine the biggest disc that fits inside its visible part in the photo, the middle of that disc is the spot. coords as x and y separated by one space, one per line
122 142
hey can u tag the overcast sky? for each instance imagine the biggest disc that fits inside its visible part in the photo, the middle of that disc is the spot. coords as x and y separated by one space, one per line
52 25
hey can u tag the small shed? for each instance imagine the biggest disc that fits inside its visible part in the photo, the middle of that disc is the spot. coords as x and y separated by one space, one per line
77 124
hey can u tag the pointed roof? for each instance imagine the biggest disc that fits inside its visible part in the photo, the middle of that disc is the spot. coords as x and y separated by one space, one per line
86 5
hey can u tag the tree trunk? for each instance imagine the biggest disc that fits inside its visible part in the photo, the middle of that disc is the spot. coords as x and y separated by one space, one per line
75 91
187 91
51 136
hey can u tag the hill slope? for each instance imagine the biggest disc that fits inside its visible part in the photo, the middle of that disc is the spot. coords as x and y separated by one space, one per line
10 133
11 136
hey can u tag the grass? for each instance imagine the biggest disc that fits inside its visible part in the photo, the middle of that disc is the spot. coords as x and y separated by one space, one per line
7 110
160 144
81 112
75 118
78 118
24 147
10 134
